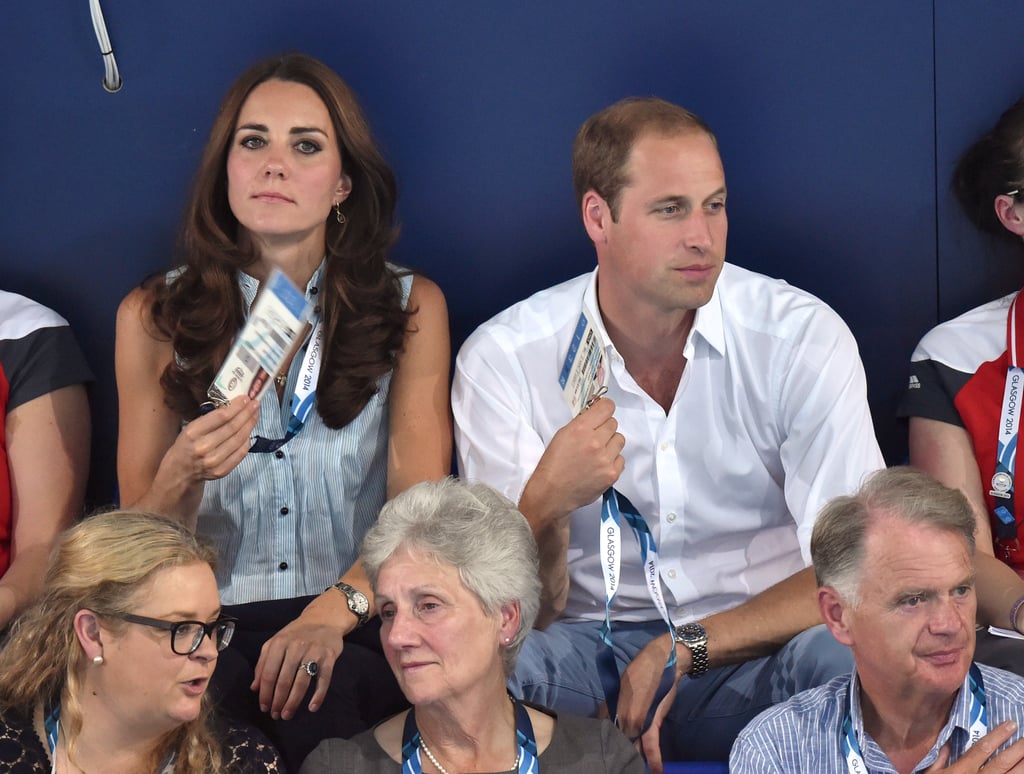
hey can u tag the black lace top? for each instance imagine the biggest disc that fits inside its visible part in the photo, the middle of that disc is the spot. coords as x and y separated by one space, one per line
22 751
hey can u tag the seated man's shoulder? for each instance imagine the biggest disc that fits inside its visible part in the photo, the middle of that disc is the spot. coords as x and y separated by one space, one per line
760 302
1005 685
805 710
537 317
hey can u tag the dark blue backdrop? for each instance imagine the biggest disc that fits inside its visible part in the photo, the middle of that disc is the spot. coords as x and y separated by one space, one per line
837 122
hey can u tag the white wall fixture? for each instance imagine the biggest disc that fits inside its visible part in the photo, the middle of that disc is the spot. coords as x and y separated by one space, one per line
112 76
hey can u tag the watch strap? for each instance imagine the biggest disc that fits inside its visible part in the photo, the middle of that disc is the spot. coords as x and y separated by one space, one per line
695 637
357 601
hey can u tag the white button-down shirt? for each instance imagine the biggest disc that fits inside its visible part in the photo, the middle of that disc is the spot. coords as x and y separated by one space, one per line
770 420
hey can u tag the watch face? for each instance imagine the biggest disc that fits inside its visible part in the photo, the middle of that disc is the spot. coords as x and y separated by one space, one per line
691 633
360 604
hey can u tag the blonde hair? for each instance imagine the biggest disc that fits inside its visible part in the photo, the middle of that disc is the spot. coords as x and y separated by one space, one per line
100 564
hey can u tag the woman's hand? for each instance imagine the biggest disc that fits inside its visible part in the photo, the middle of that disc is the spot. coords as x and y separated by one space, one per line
207 448
161 466
318 636
211 446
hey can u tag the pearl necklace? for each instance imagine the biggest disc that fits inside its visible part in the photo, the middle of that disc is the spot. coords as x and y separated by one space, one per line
443 770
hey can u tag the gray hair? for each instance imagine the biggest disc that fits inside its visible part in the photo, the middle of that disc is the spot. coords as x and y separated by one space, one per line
474 529
914 497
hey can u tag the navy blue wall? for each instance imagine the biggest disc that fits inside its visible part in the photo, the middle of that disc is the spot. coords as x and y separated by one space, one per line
837 123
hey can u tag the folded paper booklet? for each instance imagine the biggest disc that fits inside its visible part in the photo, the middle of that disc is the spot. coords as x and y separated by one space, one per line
1005 633
583 371
277 321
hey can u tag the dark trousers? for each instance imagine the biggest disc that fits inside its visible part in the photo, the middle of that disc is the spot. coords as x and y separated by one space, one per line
363 690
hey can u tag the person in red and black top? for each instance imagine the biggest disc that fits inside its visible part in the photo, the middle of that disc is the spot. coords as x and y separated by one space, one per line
966 392
44 443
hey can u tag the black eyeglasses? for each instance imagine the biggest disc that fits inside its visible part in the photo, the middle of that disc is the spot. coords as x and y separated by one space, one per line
187 636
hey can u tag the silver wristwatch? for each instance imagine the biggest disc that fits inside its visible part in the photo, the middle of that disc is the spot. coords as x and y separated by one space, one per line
357 601
694 636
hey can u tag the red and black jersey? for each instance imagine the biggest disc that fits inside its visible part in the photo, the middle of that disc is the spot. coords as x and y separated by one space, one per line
38 354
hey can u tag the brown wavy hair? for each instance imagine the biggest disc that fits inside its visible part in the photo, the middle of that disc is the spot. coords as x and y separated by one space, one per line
102 563
202 309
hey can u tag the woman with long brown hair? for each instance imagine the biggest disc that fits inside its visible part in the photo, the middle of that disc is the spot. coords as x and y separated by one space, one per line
290 179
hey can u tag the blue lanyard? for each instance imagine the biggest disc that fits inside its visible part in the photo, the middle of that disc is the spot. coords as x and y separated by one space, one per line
977 715
528 763
303 397
616 507
51 725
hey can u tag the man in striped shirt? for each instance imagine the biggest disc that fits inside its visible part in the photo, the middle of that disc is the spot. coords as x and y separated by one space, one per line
895 571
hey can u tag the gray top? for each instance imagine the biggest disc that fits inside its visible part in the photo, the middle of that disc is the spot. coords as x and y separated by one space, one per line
578 746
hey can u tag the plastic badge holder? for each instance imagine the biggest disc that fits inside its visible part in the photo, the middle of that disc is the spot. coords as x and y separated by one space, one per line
277 321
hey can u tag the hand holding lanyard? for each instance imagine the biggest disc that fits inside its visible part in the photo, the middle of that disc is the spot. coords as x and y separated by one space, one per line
582 379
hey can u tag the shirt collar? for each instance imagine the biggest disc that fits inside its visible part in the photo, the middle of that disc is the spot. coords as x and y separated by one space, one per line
594 310
250 285
708 322
858 714
959 717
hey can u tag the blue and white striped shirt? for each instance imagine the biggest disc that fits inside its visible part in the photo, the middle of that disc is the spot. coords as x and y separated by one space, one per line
804 733
288 523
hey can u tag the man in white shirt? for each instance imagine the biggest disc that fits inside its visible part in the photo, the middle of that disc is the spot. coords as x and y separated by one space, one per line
735 408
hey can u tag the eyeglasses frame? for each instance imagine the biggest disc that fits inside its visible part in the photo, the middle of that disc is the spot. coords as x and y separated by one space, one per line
209 629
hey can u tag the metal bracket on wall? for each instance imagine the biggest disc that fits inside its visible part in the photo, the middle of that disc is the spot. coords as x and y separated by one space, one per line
112 76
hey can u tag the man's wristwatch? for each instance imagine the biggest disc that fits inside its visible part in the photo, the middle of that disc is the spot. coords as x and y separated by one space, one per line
357 601
693 636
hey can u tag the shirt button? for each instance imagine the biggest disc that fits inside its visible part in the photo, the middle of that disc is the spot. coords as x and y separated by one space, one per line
665 445
672 574
279 454
284 510
313 291
670 518
283 566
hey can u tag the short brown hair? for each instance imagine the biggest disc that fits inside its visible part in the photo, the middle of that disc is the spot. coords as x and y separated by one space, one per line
602 146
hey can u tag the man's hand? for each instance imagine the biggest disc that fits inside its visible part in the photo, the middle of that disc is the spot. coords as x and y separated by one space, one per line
637 691
316 635
583 459
649 744
1009 760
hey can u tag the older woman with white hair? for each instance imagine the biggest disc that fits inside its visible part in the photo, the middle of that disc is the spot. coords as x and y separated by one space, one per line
453 567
